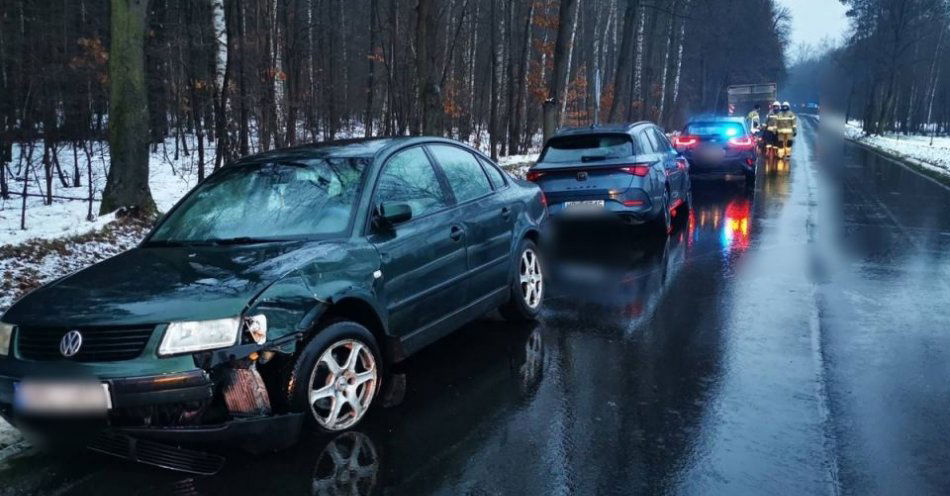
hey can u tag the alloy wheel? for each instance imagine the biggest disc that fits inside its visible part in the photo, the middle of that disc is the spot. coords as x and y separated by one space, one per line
343 384
532 280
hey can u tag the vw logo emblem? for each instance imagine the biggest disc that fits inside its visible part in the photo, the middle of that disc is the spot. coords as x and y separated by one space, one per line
582 176
70 344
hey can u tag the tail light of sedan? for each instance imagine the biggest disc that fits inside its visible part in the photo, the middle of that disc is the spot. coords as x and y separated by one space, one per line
685 141
741 143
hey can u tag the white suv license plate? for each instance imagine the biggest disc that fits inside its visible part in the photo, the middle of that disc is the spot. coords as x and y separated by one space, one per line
42 397
584 206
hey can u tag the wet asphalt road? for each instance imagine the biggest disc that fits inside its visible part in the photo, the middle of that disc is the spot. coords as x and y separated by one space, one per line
790 340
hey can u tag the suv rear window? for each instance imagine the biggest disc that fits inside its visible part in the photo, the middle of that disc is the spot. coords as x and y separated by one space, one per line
587 148
721 128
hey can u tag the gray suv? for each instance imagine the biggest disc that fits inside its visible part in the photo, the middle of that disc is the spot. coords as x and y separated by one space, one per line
626 171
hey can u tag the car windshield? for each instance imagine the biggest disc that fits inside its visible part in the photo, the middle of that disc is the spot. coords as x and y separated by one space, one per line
587 148
721 128
268 202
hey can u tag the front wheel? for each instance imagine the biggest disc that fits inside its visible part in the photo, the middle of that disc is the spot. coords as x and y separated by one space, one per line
527 285
336 377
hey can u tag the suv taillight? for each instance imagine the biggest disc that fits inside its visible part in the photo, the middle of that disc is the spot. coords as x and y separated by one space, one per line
685 141
741 142
636 169
533 175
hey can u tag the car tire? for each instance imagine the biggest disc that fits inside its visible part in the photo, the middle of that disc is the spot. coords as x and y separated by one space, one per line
335 400
663 223
526 294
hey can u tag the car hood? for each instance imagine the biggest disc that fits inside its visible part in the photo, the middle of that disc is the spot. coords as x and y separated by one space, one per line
152 285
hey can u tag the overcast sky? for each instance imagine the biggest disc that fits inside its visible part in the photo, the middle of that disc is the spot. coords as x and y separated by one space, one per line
813 20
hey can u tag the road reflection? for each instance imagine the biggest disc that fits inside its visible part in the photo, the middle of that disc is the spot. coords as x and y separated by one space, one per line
607 394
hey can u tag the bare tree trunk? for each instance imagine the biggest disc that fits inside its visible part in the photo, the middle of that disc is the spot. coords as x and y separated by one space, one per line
89 216
127 183
47 172
557 87
679 59
509 142
664 76
370 74
636 91
76 180
520 106
430 97
622 72
493 111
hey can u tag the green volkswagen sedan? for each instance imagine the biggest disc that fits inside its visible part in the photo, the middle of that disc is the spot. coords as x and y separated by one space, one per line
275 295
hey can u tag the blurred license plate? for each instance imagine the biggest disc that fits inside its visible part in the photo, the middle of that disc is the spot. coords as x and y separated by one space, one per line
712 154
62 397
584 205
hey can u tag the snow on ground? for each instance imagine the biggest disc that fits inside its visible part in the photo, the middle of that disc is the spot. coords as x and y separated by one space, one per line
170 178
913 148
518 165
27 265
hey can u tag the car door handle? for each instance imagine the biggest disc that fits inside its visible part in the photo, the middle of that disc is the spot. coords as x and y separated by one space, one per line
457 233
505 212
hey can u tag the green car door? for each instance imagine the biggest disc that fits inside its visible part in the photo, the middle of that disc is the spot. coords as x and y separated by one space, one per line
422 259
488 215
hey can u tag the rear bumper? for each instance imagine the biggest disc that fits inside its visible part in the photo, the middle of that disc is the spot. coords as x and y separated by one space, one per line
639 210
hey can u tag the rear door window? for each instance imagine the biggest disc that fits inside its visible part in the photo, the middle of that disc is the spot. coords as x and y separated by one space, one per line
651 137
465 174
645 144
587 148
661 140
496 176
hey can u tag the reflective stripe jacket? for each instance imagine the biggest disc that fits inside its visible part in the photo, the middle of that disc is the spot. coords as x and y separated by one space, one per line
787 122
771 122
753 118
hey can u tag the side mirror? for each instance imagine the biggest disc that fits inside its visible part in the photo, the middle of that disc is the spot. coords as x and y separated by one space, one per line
393 213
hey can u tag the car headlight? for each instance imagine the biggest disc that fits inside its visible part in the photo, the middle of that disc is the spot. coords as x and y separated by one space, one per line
200 335
6 330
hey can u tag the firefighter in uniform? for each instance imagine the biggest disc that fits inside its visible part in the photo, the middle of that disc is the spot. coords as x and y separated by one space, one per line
771 127
787 128
753 119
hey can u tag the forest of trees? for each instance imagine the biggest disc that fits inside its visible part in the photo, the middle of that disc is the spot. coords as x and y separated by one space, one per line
892 72
226 78
900 64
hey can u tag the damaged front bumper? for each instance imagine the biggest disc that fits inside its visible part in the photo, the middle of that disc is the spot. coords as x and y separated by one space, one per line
184 408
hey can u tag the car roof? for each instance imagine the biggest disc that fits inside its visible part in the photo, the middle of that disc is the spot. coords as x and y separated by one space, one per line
600 128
